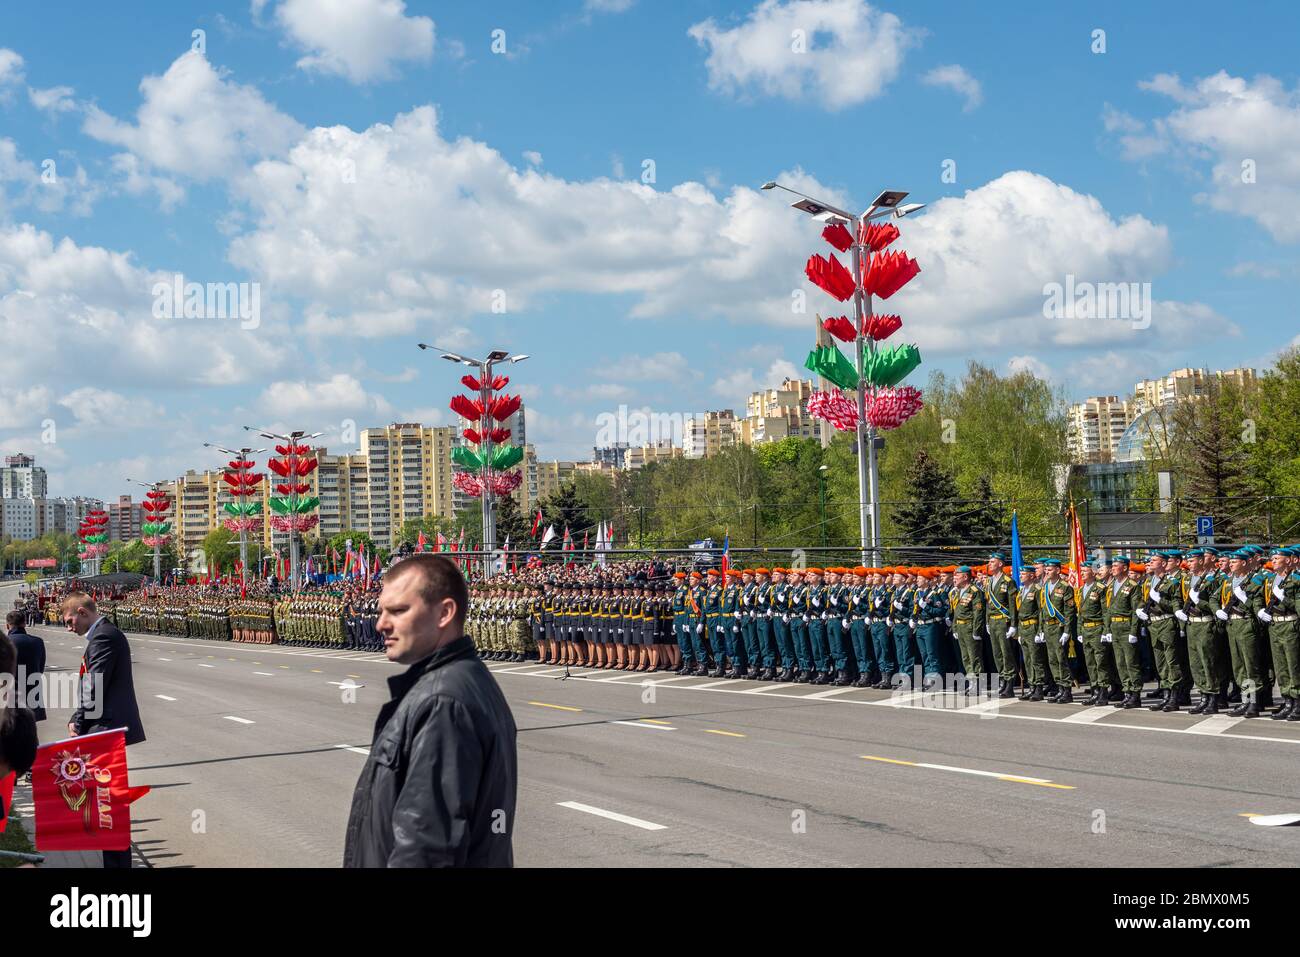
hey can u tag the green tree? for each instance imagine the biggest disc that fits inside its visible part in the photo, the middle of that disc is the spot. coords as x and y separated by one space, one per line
511 523
932 515
220 550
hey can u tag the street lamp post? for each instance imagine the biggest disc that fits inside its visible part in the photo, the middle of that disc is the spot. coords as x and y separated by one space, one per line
157 543
243 532
821 474
484 367
886 204
292 440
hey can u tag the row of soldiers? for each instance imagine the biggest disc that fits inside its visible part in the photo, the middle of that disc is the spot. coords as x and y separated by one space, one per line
314 617
1225 623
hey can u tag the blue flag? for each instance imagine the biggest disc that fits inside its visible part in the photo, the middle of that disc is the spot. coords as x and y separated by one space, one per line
1015 550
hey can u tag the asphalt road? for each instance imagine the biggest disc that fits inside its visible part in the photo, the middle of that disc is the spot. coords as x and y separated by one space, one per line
253 753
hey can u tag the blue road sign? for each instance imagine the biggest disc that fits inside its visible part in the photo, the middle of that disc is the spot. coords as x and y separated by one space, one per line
1205 525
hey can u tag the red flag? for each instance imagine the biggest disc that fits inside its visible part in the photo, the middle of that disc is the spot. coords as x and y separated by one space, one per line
420 542
82 795
536 523
6 798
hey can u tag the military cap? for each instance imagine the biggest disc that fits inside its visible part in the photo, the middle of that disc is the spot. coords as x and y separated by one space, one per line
1053 562
760 571
1120 560
963 569
696 575
714 573
679 575
777 571
863 571
812 571
998 555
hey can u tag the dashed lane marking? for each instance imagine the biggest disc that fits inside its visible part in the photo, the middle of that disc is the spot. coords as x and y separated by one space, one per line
557 707
353 749
164 697
996 775
231 717
729 734
648 727
613 816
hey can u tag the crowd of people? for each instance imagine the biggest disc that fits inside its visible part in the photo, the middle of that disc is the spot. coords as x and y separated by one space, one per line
1222 623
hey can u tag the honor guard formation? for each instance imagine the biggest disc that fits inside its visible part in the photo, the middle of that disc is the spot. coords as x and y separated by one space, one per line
1220 623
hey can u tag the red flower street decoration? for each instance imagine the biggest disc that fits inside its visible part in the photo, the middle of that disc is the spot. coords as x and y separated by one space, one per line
883 274
882 327
501 483
294 523
841 328
838 236
466 408
830 276
889 408
483 466
876 236
471 383
836 408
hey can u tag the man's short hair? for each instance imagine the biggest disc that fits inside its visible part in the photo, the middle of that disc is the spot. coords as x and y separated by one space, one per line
441 578
15 619
74 600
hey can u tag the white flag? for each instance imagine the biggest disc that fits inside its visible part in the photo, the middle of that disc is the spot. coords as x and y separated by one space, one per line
547 535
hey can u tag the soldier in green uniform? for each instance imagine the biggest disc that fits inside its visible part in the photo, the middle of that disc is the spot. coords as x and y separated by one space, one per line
1060 625
797 609
1001 603
1098 655
1281 611
1197 616
967 613
1162 596
729 623
681 620
1033 645
1236 600
780 602
1123 595
900 625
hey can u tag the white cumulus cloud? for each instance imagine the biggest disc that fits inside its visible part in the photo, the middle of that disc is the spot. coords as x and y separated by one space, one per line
359 40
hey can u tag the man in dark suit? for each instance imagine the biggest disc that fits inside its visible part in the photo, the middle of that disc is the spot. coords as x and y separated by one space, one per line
31 664
107 692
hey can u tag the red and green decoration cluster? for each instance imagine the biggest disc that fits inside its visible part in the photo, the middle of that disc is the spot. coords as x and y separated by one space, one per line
888 404
486 465
242 483
291 505
93 532
156 527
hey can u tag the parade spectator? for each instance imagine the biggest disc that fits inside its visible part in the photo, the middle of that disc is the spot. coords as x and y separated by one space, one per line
107 690
438 789
31 664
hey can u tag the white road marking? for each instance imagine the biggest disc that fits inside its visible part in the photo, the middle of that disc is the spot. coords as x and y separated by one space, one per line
1215 724
832 693
652 727
164 697
711 684
231 717
1088 715
202 665
613 816
776 687
164 659
985 774
345 684
264 674
348 747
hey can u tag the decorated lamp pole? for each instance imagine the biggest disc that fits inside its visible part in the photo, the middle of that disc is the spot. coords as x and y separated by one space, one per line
485 468
245 514
292 506
877 404
156 526
93 532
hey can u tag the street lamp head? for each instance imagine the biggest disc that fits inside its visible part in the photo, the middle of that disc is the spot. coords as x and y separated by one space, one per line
770 184
907 210
496 355
889 199
519 358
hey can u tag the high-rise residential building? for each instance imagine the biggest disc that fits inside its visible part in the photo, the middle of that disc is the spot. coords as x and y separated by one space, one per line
1185 384
18 518
708 433
551 475
408 475
780 413
63 514
642 455
612 455
21 477
1095 426
124 518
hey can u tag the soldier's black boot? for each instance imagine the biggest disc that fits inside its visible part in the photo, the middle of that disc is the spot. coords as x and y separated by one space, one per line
1295 715
685 667
1066 696
1171 703
1037 693
1284 712
1028 693
1239 711
787 674
841 678
1160 704
1134 700
884 684
1212 704
820 678
1252 710
1008 690
1205 703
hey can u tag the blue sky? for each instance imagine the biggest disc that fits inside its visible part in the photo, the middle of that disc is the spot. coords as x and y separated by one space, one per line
385 176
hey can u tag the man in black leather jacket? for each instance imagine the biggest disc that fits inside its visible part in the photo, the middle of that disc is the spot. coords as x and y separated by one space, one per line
438 789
